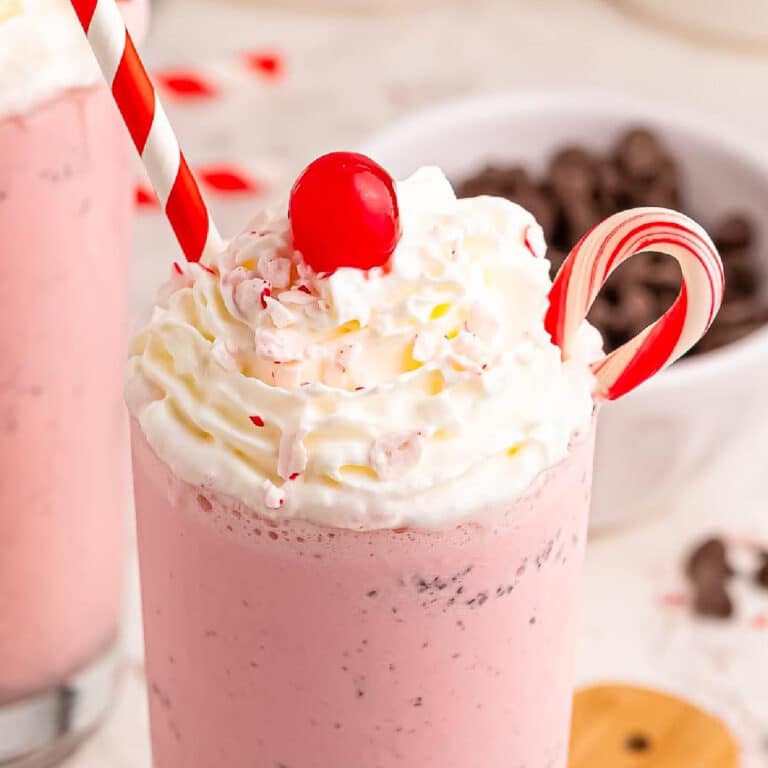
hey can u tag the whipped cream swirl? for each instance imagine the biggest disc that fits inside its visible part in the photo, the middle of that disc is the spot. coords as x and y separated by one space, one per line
43 50
417 395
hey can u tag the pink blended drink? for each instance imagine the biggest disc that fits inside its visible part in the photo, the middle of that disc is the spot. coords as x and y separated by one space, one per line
321 647
65 205
362 500
362 474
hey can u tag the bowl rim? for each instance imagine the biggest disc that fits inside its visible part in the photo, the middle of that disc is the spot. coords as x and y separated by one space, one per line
713 129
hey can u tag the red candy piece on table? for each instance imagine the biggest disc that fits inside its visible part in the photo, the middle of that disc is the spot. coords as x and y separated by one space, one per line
344 213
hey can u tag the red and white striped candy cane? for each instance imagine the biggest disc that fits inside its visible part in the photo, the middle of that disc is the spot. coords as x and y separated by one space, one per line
602 250
149 127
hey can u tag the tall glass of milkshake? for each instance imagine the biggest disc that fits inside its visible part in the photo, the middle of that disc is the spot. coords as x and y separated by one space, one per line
65 205
362 477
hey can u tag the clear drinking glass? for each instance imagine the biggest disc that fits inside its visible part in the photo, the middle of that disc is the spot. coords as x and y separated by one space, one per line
66 179
312 647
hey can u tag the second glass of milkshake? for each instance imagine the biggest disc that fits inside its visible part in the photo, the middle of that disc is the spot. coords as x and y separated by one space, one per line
66 180
362 489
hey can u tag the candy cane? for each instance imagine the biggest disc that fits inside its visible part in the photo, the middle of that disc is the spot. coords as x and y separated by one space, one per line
149 127
602 250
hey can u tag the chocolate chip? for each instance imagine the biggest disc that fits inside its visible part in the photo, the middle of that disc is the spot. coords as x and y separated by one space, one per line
556 258
735 231
493 180
612 188
736 313
637 306
661 274
640 154
602 313
761 577
580 214
712 601
742 275
708 569
573 174
541 205
707 558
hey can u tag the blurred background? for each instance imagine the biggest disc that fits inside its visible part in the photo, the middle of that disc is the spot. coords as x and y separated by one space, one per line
258 89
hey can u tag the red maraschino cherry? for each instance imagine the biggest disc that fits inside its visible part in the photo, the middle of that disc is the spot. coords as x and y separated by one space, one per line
343 212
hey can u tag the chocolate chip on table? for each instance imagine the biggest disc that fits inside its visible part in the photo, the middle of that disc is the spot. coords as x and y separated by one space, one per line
713 601
708 570
708 557
761 577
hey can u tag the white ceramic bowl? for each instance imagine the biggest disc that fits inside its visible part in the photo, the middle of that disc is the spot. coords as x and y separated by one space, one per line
652 443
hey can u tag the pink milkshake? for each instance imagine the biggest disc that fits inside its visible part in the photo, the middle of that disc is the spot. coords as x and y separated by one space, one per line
65 208
362 499
362 473
323 647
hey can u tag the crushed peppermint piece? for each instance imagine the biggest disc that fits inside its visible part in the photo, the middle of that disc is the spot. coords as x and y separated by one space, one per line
534 241
279 346
273 496
257 421
343 365
468 348
279 314
286 375
482 322
395 454
291 454
525 352
426 346
318 311
266 291
275 269
304 289
294 475
347 356
296 297
177 268
242 293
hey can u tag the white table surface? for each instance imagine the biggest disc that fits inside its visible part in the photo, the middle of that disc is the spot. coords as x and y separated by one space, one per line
348 77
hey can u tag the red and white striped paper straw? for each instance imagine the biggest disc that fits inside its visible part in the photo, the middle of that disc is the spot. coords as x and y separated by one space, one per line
149 127
602 250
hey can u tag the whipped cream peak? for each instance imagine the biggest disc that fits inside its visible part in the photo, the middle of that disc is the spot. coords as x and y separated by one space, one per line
414 394
43 50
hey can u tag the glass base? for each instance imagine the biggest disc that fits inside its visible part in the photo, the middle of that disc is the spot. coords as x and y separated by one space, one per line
42 730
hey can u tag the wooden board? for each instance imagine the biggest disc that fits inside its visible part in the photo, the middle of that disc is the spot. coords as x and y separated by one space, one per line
617 726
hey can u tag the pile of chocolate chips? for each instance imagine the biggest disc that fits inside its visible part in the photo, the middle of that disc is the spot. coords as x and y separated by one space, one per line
582 188
709 573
